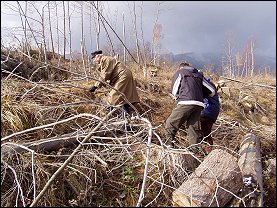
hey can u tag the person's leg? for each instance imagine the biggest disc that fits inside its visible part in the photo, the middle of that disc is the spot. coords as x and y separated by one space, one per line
177 117
206 126
194 133
193 118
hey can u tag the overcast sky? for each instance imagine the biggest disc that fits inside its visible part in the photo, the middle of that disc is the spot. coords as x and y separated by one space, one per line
195 26
201 26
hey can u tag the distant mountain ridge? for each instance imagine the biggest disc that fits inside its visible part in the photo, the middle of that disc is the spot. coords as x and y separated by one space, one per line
200 60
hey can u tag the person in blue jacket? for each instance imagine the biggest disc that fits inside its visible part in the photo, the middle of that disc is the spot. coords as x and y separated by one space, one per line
208 117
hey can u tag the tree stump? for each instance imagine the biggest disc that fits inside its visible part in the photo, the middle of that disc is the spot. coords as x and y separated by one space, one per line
203 187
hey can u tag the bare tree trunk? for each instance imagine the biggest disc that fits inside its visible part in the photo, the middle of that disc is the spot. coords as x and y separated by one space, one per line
43 49
64 36
252 56
144 59
25 31
50 28
44 37
98 26
90 34
108 36
21 11
156 36
90 26
134 20
153 51
124 39
245 63
58 33
229 54
24 44
104 19
70 37
82 39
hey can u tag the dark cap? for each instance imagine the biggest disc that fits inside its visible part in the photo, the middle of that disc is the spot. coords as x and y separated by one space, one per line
184 64
95 53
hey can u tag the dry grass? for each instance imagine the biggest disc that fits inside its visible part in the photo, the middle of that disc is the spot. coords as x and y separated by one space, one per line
86 181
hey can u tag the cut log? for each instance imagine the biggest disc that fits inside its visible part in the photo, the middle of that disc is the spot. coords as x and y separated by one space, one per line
251 168
175 161
184 158
203 187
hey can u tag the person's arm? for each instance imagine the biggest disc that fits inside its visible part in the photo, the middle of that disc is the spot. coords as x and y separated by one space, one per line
176 81
209 87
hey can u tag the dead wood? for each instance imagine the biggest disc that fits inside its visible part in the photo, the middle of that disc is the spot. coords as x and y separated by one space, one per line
251 168
54 143
159 154
212 183
255 84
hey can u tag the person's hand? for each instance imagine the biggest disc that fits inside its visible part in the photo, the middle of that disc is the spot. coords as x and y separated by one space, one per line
92 89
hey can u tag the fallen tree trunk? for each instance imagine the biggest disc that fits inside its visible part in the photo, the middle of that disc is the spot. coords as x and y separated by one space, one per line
251 168
50 144
212 182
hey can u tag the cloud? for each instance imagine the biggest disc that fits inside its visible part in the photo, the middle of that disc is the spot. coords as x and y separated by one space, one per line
187 26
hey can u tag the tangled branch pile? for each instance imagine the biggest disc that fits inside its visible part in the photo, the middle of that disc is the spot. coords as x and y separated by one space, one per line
116 160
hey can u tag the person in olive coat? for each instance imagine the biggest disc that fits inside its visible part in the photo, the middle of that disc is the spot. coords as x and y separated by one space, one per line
119 77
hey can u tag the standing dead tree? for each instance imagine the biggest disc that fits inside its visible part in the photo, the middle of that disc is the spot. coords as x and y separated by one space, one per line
144 51
27 20
104 20
50 29
70 35
124 38
64 31
156 36
228 59
248 67
134 22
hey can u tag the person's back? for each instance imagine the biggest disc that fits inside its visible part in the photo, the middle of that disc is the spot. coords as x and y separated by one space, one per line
212 105
187 86
112 69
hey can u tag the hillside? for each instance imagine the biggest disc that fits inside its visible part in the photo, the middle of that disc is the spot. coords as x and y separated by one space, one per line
47 112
